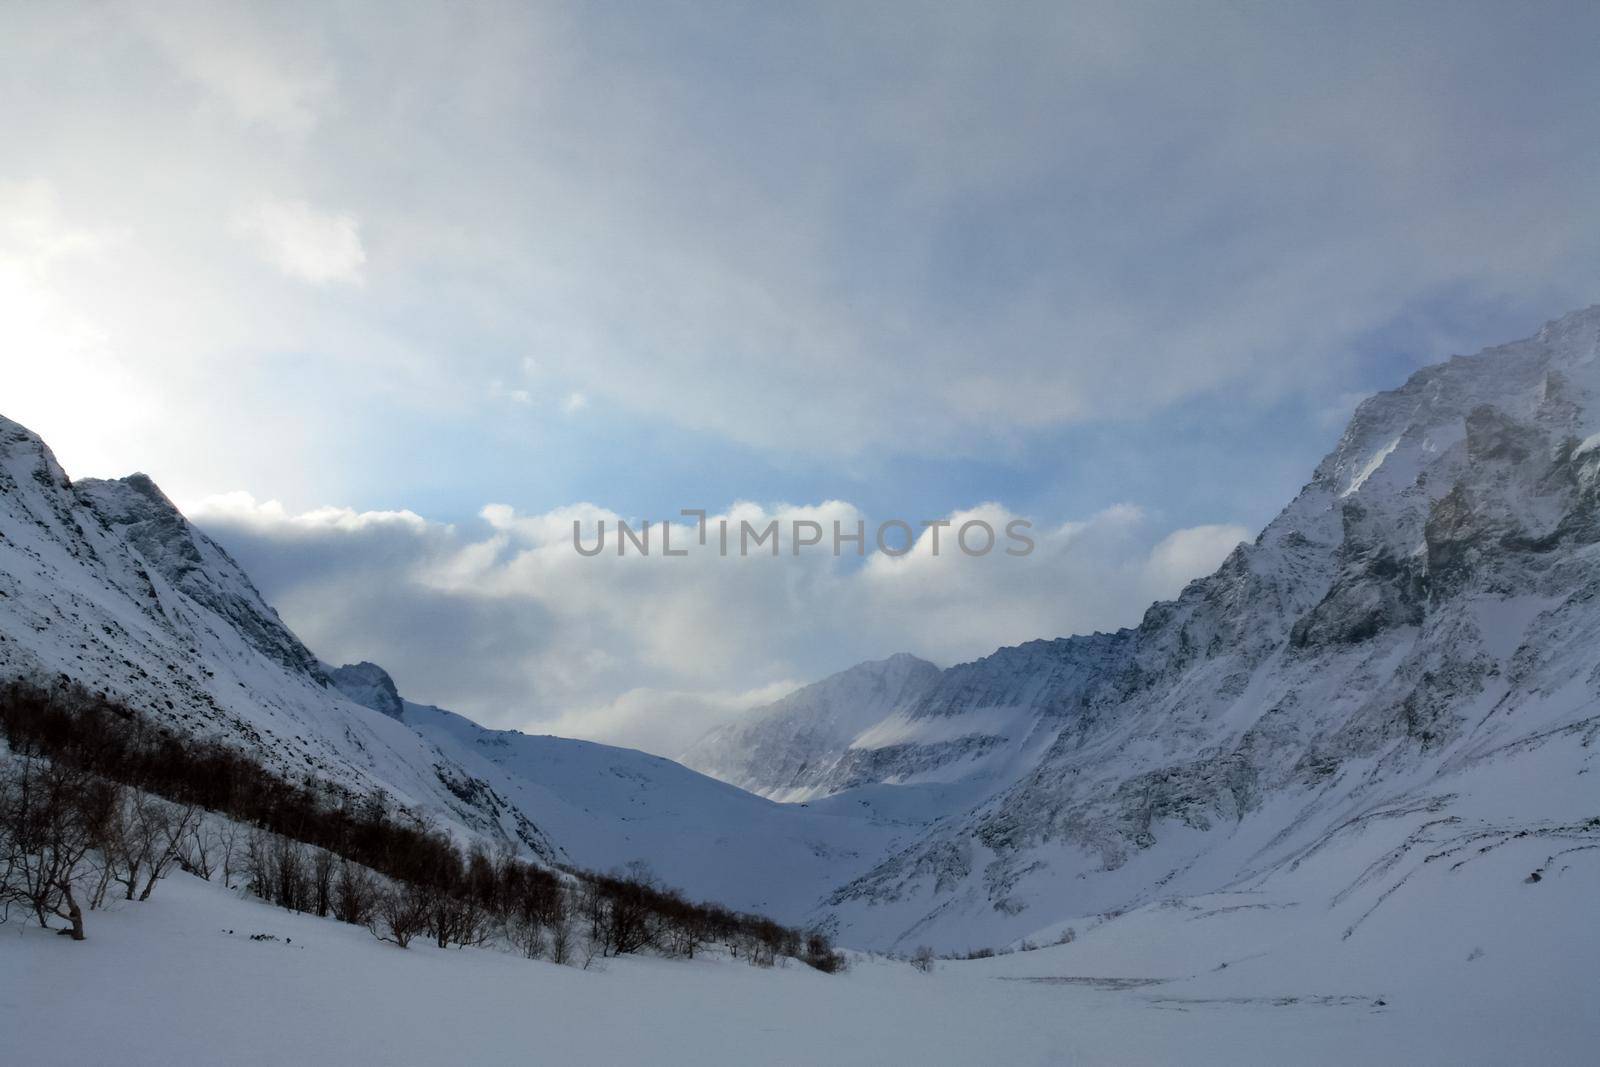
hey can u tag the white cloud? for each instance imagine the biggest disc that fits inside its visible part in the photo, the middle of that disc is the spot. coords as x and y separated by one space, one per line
58 278
991 224
1183 554
304 242
1099 573
500 390
988 225
252 62
664 721
240 508
1336 412
512 626
574 403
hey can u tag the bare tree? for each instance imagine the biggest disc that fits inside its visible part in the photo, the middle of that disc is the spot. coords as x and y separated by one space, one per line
130 840
588 948
313 848
355 894
457 920
322 863
625 918
106 844
561 941
198 856
256 864
922 959
398 921
820 953
229 834
401 914
172 824
51 817
684 928
526 936
291 879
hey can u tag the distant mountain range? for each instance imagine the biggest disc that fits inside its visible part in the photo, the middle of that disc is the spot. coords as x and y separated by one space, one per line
1403 666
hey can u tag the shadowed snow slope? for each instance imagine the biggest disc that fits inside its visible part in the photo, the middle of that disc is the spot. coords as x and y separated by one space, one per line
609 806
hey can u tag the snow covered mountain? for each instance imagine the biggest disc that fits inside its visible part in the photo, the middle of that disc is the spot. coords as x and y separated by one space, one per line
106 584
1407 658
1402 669
609 806
800 747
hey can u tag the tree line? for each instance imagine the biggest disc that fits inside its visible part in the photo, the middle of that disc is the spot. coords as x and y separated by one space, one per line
97 799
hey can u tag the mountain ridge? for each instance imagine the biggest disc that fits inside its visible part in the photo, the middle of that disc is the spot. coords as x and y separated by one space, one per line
1431 588
1445 540
799 738
105 583
1415 633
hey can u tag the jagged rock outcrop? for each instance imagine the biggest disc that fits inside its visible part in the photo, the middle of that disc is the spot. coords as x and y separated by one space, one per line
370 686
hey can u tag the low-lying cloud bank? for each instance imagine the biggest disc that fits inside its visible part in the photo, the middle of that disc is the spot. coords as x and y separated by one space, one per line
504 621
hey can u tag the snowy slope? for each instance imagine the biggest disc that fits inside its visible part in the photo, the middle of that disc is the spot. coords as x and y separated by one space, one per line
1405 637
105 583
948 739
1408 656
610 806
792 748
178 979
1404 665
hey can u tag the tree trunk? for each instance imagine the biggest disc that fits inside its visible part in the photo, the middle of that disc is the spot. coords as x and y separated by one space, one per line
98 896
74 913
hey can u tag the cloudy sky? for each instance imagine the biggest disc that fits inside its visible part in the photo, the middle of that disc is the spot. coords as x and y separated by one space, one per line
385 295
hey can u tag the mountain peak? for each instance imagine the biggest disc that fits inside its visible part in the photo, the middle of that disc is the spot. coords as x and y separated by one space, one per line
786 750
368 685
23 454
1571 331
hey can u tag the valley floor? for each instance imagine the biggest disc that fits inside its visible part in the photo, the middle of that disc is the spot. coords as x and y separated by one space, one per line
180 979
